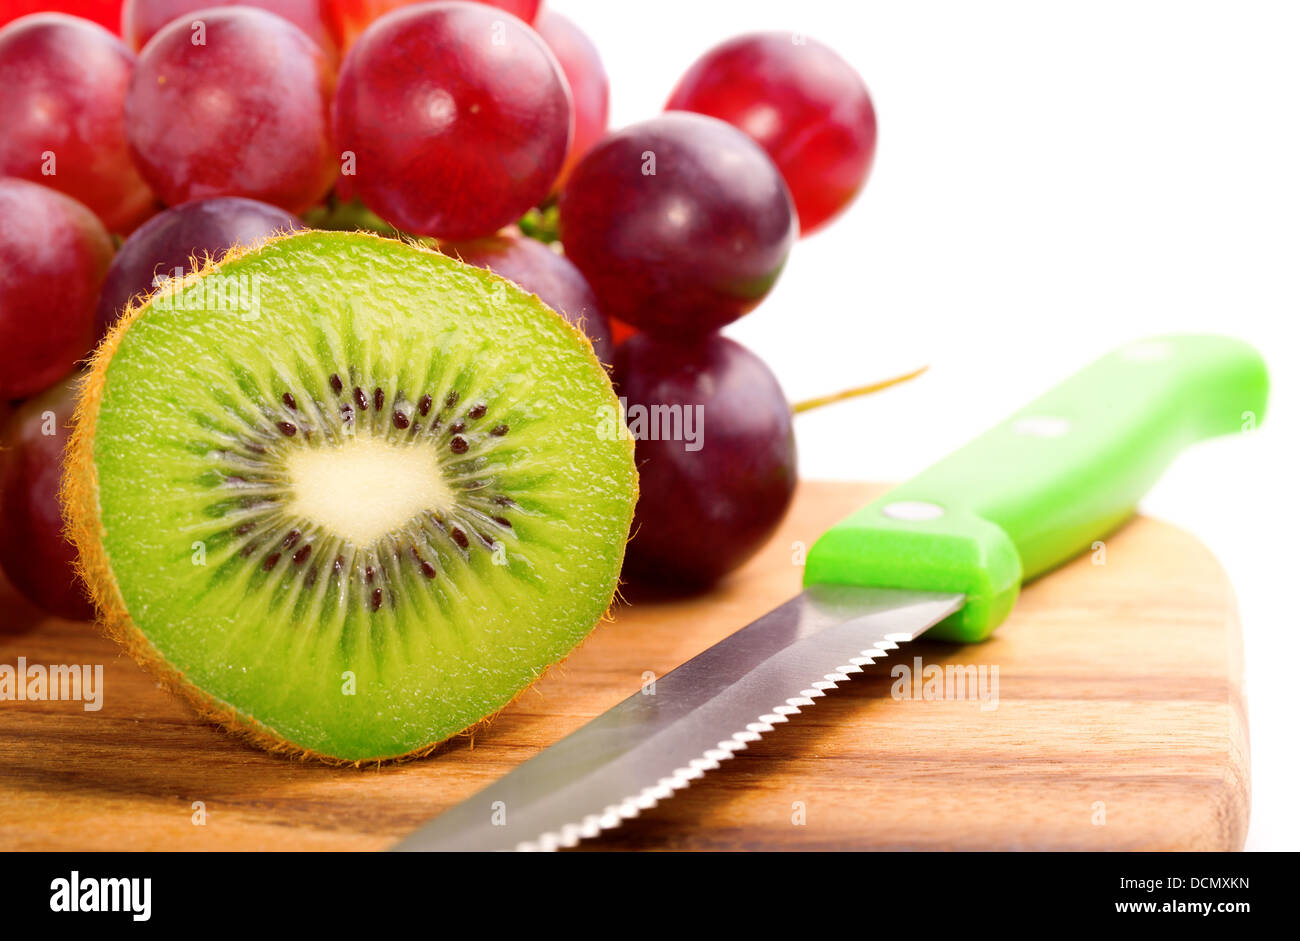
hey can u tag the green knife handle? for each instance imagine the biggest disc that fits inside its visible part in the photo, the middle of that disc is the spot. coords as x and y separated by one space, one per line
1042 486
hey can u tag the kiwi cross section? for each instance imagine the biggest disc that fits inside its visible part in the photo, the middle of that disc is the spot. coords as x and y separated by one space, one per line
362 517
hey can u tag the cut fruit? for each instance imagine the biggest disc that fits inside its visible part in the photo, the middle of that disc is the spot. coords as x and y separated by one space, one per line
359 508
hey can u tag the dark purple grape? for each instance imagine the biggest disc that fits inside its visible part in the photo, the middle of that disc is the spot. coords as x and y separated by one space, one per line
169 240
681 223
715 450
548 274
35 554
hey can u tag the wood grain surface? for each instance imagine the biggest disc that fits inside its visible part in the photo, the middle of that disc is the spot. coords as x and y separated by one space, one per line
1120 724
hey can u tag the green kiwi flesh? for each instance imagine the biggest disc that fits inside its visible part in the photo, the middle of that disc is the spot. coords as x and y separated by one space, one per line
358 511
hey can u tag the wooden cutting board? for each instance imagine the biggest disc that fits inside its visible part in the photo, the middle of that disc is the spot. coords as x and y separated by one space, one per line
1120 723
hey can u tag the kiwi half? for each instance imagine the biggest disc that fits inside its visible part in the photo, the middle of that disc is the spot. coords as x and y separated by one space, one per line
360 515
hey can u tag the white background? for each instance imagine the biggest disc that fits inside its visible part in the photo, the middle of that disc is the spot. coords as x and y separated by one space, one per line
1053 179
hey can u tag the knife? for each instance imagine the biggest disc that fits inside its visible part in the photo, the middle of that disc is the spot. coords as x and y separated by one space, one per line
944 555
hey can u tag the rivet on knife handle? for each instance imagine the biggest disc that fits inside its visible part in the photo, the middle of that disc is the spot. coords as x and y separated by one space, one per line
1043 485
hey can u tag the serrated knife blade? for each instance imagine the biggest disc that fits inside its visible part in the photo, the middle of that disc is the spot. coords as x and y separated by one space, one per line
661 738
1019 500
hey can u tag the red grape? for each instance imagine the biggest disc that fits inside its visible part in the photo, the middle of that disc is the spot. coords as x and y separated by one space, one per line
103 12
717 479
245 113
459 119
168 241
142 18
33 551
808 108
580 60
53 256
349 18
680 223
545 272
63 82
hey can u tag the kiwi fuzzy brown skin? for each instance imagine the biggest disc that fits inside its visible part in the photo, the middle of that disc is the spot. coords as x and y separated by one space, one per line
79 495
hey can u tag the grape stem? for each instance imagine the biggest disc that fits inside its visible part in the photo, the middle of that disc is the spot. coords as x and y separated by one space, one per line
542 223
807 405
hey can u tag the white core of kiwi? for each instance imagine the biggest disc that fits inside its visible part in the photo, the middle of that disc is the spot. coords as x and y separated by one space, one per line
364 487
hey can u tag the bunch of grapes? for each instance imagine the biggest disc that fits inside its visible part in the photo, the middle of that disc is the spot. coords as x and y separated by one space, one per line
127 157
